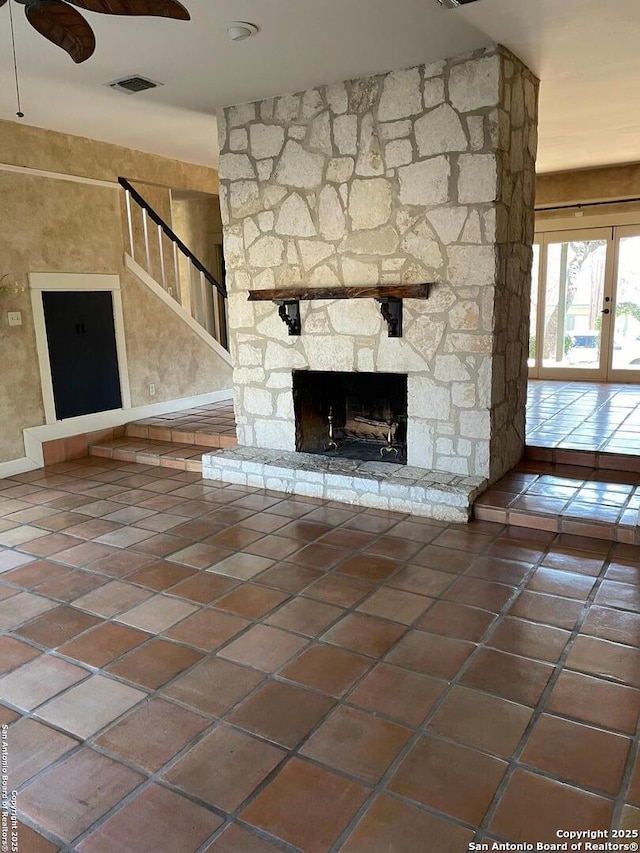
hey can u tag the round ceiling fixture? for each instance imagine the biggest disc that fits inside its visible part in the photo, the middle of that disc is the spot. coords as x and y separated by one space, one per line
241 30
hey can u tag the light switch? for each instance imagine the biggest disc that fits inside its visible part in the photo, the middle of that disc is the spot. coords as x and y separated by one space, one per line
15 318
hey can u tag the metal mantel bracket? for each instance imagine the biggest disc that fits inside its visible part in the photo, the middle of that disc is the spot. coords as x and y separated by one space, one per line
289 313
391 310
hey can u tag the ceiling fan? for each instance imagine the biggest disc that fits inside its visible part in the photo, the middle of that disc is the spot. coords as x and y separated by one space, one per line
63 25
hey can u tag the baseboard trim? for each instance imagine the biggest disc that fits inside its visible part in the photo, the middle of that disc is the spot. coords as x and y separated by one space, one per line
35 437
17 466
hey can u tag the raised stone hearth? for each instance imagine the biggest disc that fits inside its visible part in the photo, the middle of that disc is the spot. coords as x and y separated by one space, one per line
419 175
380 485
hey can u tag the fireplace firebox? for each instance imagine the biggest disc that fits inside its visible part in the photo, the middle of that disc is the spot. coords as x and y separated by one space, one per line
351 415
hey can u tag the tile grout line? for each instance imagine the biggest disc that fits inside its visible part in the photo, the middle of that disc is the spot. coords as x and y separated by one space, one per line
381 788
540 708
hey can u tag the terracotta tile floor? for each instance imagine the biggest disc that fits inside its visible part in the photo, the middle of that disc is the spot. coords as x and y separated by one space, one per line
584 416
266 673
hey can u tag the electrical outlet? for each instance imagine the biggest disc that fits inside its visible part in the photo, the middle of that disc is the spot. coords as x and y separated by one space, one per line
14 318
152 389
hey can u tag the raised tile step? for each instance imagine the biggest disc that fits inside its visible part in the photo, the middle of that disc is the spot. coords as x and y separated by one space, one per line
379 485
211 426
182 457
582 501
592 459
174 440
211 437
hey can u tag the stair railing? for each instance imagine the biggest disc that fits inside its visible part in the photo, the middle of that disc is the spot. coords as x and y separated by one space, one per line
168 260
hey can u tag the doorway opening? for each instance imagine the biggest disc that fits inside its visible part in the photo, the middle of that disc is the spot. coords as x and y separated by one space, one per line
585 305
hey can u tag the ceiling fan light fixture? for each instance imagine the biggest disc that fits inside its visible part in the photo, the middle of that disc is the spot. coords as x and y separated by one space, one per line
241 30
60 22
455 4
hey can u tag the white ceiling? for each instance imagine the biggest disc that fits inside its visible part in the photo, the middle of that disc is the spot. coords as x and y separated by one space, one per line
585 52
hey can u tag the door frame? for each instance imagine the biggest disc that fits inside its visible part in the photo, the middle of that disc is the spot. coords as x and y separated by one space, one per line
620 376
596 374
612 233
40 282
619 223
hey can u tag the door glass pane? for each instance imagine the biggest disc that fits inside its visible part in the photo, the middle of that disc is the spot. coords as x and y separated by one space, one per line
574 295
626 330
535 276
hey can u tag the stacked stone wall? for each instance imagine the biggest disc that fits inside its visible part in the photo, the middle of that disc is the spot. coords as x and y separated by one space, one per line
424 174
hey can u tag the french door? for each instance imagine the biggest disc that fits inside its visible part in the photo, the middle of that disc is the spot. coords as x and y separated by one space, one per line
585 305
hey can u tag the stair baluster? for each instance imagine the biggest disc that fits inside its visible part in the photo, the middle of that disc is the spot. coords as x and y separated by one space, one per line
208 310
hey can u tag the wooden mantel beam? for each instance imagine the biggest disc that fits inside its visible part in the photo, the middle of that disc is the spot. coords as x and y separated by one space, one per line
383 291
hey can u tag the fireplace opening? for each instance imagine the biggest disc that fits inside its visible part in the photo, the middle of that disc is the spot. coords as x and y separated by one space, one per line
351 415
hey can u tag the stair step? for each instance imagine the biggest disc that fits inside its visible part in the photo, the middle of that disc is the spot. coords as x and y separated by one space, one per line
593 459
204 438
182 457
174 440
583 501
212 426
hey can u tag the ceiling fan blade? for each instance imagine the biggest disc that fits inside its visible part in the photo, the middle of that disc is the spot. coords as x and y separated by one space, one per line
63 26
156 8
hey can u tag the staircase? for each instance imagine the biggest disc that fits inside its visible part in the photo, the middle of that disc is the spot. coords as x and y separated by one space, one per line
159 258
173 267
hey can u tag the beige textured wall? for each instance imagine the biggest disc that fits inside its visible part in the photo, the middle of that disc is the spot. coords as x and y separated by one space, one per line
49 225
585 185
161 349
198 223
23 145
45 226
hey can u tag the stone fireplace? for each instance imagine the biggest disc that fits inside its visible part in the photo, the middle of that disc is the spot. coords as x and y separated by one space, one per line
415 176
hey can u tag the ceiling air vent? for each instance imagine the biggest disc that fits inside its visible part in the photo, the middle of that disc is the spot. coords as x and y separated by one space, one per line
133 85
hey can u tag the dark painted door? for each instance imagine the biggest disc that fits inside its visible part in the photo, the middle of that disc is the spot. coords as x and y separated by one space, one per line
82 352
